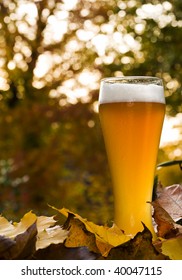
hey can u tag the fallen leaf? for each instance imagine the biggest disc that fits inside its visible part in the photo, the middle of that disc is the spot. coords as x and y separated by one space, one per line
173 248
113 235
165 224
21 246
78 235
5 245
48 233
105 237
110 237
60 252
20 237
5 227
170 198
25 244
11 230
44 222
138 248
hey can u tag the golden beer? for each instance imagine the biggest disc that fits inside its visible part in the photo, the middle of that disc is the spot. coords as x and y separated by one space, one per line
131 129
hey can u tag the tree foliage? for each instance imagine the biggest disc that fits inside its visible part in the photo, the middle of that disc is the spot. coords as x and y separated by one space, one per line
51 63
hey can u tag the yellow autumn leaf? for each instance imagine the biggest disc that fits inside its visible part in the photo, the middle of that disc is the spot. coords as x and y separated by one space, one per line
5 227
11 230
106 237
78 236
173 248
48 232
113 235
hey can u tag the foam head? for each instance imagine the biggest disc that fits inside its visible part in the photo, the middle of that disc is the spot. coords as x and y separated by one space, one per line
131 89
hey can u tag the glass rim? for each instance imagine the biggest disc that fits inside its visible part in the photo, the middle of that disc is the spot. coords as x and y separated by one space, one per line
134 80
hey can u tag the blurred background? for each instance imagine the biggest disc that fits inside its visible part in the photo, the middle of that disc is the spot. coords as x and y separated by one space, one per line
53 55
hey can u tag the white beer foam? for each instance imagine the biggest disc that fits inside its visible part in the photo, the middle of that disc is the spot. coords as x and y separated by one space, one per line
123 92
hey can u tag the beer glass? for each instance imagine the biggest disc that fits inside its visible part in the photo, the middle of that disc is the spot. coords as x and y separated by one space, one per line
131 111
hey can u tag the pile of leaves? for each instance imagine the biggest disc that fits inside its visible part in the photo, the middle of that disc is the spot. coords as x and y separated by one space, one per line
41 237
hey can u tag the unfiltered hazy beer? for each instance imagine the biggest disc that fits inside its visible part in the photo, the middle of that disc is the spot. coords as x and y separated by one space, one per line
131 112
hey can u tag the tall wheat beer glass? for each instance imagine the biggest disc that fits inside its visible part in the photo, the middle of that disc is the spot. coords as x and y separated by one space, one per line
131 111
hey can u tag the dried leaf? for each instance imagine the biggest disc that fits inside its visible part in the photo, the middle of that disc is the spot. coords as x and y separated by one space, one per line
170 198
41 238
6 227
20 247
105 237
111 237
5 245
165 224
48 233
138 248
173 248
21 236
78 235
60 252
44 222
24 246
12 230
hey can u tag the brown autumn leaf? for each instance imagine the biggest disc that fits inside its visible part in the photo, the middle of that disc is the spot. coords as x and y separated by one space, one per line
139 248
5 245
25 244
165 224
20 237
21 240
170 198
41 238
104 239
21 247
60 252
78 235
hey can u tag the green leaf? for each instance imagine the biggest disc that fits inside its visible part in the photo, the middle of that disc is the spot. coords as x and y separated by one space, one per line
170 163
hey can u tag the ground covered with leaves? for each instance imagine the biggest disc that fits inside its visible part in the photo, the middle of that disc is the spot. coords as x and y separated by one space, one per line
42 237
